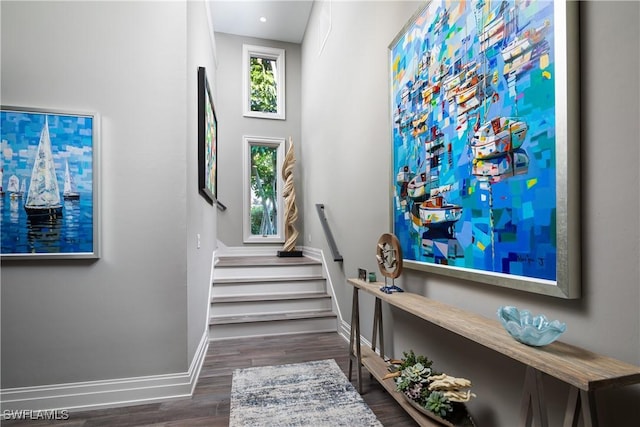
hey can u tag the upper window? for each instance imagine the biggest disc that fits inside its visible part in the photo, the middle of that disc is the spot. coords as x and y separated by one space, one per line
263 77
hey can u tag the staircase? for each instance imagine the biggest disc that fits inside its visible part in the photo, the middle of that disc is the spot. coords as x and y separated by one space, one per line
266 295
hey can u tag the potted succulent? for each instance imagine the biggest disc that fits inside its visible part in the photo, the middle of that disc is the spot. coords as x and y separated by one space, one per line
437 395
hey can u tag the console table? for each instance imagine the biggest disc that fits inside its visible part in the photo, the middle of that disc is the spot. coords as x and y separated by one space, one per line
584 371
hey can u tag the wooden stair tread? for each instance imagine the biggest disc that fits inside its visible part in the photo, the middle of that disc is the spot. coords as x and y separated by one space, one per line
263 261
269 297
271 317
221 280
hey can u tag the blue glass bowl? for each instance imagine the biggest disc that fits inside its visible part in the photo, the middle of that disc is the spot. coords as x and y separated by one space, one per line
535 331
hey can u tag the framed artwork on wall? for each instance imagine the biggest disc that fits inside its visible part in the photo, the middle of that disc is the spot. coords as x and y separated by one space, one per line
485 143
207 140
49 172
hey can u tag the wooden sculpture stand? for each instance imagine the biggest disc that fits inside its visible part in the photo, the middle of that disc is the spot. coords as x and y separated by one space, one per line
584 371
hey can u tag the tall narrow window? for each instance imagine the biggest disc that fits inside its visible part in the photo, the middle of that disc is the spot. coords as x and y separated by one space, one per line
264 82
263 202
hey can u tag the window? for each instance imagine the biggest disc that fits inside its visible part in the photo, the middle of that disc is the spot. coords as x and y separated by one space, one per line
263 82
263 203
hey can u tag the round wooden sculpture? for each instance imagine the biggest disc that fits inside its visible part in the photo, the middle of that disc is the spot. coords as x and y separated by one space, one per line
389 256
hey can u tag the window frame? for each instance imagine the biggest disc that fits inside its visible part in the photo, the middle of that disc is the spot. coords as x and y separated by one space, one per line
279 144
271 53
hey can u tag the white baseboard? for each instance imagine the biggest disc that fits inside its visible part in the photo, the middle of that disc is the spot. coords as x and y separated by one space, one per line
318 255
344 330
108 393
313 253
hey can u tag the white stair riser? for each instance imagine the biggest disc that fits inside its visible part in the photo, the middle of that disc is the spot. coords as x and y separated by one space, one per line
268 272
282 327
261 288
275 306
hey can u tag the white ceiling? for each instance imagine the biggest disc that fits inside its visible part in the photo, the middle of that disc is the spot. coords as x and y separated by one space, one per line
286 19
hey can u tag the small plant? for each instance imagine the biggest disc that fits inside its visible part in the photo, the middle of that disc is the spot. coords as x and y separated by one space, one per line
438 404
412 375
417 373
411 359
414 392
403 383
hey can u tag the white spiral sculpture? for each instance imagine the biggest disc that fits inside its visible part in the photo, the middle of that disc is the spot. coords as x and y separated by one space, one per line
289 194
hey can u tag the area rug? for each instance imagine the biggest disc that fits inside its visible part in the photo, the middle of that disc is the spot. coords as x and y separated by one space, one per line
314 394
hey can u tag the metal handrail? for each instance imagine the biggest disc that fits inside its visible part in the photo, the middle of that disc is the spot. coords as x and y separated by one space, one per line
327 231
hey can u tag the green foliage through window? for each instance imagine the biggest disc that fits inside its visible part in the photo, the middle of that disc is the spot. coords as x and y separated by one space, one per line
264 169
264 93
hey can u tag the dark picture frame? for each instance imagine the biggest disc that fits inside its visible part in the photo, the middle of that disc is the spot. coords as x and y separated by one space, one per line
207 141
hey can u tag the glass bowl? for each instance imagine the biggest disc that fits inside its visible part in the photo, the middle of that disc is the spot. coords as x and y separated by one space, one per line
535 331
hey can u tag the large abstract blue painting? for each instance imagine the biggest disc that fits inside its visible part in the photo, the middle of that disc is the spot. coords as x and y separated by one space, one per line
476 130
48 184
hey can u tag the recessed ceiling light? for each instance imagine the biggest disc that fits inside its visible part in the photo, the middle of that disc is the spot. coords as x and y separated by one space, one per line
263 19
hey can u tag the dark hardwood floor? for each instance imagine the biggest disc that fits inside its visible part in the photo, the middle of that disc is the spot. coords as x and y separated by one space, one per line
209 405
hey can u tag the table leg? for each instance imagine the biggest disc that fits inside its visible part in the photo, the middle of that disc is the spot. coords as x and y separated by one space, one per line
377 327
533 400
589 413
572 413
581 402
355 354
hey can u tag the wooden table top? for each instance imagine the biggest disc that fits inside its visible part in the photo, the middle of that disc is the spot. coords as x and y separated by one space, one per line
573 365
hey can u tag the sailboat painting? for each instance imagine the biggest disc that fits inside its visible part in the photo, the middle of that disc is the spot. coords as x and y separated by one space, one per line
50 158
70 192
485 143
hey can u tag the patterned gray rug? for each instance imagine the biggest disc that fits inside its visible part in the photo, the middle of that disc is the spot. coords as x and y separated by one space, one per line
314 394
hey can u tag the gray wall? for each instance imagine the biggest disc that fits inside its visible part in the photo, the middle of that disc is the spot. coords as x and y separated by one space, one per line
201 216
141 308
345 159
233 126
